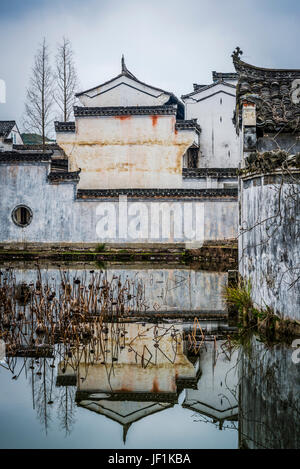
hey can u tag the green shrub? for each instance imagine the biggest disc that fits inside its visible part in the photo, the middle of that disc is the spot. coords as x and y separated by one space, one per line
100 247
240 296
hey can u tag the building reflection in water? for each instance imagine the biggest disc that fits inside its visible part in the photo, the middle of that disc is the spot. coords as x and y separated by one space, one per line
141 371
269 404
216 395
169 289
149 365
127 369
82 346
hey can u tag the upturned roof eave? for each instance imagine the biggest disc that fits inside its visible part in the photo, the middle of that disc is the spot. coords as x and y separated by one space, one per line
240 63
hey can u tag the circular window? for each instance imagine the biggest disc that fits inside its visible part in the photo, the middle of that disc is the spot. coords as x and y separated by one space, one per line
22 215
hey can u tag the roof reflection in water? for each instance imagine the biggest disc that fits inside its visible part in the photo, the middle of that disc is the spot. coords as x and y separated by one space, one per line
143 371
216 395
78 331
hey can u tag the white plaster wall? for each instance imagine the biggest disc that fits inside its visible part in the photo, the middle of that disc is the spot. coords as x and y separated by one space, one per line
193 183
5 146
270 258
165 289
217 138
127 151
124 92
59 217
165 363
208 183
15 135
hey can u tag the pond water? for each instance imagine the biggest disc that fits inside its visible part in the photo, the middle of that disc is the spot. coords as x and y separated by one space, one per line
159 371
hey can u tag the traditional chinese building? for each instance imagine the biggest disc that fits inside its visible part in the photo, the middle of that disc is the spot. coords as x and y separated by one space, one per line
216 395
9 135
269 405
128 141
214 162
127 134
143 373
267 122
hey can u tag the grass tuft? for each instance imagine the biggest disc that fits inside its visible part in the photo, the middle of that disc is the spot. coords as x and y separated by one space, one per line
100 247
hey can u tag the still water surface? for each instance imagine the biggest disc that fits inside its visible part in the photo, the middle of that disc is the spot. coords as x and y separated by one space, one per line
142 383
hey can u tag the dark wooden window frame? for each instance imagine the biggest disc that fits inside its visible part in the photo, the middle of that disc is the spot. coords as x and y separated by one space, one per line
22 215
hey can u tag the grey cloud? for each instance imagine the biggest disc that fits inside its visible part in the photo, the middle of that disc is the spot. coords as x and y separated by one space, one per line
167 43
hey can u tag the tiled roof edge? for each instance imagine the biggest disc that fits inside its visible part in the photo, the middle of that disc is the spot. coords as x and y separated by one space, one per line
156 193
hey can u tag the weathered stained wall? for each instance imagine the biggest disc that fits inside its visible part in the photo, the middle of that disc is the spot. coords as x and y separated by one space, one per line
59 217
129 151
269 244
269 397
165 289
267 121
166 363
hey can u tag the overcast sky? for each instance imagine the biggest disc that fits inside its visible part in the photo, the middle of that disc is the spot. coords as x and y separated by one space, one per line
170 44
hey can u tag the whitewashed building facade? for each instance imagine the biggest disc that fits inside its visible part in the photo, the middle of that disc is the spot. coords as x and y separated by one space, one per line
9 135
127 144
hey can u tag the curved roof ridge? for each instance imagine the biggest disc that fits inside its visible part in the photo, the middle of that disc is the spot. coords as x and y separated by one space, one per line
124 72
240 65
207 87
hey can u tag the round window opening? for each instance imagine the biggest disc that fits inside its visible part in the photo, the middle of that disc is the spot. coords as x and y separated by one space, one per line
22 215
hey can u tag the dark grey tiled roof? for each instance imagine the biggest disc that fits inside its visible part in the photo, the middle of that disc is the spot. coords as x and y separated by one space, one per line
124 73
37 147
66 380
197 87
123 111
187 124
156 193
214 172
6 127
132 396
15 156
64 126
59 164
221 76
270 89
201 88
61 176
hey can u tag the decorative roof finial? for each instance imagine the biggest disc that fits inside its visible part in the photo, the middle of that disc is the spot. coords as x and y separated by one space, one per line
125 70
125 431
236 53
123 66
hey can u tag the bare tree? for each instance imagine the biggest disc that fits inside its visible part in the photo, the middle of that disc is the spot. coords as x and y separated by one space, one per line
66 79
39 98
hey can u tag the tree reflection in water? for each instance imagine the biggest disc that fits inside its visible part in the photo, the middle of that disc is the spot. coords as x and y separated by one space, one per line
78 346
